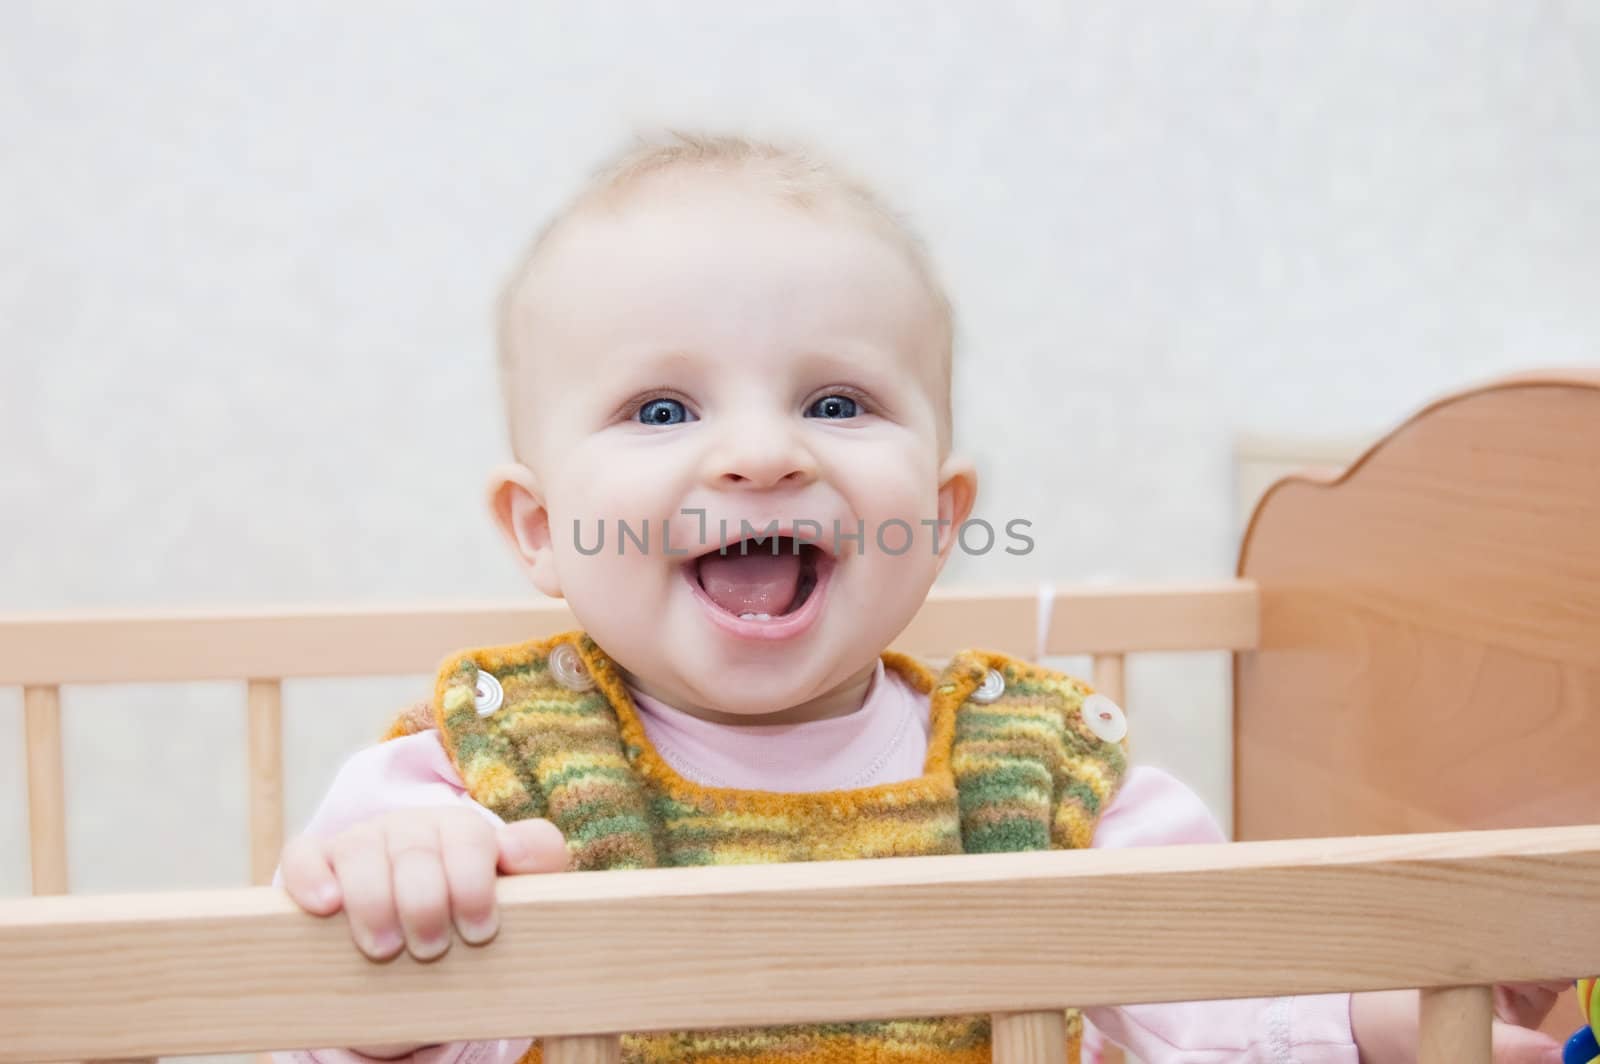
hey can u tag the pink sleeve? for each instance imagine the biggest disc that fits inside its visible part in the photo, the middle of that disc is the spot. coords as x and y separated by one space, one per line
1153 809
409 772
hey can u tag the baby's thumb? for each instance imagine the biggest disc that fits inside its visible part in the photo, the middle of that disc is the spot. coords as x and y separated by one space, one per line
1522 1045
531 846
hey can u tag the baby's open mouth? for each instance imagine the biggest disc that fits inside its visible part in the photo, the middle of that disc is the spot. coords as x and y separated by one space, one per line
759 578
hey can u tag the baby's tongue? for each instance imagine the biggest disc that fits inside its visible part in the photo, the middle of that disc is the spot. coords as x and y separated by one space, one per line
757 582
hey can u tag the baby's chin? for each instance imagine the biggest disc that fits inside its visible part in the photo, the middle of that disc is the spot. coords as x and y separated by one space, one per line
772 691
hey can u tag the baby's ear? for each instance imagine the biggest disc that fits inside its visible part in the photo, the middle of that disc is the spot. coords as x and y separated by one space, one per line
518 508
958 490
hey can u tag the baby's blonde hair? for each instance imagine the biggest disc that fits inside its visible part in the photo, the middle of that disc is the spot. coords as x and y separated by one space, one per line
795 174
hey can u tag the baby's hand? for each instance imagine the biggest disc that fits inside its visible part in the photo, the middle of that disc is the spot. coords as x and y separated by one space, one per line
1385 1024
406 876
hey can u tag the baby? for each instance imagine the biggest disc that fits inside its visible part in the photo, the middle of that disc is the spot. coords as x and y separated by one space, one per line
727 371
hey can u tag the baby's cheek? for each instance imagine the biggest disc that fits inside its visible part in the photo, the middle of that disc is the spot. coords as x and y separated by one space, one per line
605 575
896 507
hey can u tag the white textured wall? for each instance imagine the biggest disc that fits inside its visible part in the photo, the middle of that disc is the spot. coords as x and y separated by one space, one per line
249 254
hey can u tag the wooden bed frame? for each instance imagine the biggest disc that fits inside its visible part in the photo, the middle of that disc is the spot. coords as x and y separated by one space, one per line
1417 648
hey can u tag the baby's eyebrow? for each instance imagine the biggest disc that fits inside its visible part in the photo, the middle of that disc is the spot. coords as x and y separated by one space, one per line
644 361
620 371
853 362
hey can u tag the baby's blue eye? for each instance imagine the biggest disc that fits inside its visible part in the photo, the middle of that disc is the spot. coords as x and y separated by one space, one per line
663 412
833 407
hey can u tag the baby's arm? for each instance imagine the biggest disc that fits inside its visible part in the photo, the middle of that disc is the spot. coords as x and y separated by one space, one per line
1153 809
399 845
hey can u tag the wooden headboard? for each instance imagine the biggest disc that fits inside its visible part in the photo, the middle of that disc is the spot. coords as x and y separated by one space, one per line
1429 656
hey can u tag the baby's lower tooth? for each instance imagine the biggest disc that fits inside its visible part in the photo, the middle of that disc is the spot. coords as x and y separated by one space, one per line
747 616
763 616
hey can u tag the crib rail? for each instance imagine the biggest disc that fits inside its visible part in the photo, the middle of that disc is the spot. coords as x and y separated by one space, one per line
581 957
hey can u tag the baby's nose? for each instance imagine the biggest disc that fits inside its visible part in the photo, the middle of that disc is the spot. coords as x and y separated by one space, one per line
757 459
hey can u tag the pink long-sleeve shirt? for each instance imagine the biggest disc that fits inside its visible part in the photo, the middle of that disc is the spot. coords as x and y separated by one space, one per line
885 741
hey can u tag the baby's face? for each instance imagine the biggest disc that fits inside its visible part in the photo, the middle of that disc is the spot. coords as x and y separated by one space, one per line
711 348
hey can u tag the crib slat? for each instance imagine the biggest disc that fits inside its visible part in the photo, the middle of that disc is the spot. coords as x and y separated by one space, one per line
47 819
265 701
1029 1037
1110 671
583 1049
1455 1025
47 822
1110 679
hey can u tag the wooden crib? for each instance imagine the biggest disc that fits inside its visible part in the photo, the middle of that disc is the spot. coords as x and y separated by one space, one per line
1417 648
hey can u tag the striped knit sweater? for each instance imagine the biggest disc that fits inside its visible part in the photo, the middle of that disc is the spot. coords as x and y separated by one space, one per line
1022 772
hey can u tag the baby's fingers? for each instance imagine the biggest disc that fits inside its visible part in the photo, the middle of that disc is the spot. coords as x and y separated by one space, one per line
470 852
1527 1004
421 897
361 861
308 877
1519 1045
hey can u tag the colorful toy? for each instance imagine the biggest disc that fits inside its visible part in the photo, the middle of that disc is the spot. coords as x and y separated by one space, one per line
1582 1047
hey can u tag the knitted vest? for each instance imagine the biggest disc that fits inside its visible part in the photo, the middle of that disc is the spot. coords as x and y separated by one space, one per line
1020 772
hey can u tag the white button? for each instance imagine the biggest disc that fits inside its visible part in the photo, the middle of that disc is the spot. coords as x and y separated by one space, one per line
993 686
568 670
487 694
1104 718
